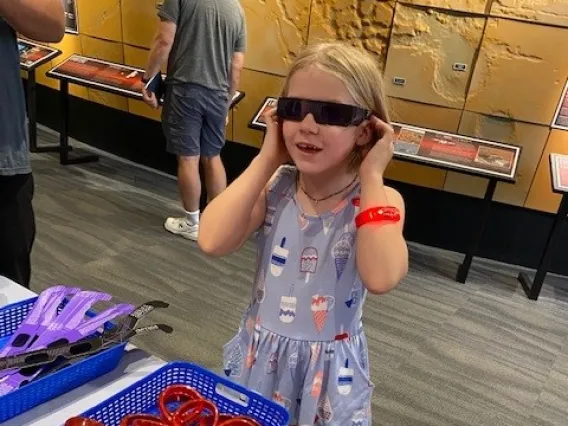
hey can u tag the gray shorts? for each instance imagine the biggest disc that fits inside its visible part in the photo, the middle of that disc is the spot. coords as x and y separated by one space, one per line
193 120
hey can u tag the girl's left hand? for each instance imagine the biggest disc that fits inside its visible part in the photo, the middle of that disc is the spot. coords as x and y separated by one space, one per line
380 154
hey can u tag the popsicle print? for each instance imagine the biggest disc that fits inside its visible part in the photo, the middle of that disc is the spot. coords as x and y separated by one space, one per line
360 419
278 258
287 312
345 379
309 262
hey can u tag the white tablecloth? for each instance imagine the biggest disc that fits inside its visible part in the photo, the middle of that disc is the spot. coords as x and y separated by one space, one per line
135 365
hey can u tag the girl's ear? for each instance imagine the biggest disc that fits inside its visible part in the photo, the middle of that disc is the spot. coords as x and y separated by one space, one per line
367 135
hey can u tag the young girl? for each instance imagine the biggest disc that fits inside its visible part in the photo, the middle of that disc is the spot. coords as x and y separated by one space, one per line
328 232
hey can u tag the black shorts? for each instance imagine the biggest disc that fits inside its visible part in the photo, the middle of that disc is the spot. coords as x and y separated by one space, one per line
17 227
193 120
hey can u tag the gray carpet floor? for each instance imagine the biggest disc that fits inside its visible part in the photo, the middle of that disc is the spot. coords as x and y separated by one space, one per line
442 353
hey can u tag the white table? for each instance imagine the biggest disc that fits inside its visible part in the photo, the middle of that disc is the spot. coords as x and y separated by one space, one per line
135 365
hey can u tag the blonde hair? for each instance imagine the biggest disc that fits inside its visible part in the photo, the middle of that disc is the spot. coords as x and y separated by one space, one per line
357 69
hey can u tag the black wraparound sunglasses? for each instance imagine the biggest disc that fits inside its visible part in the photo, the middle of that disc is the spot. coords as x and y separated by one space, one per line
330 113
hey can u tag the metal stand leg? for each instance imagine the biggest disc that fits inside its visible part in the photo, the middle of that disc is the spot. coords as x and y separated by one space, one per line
532 288
64 131
463 269
32 116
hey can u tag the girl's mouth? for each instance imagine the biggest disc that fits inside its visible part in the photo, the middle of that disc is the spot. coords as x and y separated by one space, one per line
307 148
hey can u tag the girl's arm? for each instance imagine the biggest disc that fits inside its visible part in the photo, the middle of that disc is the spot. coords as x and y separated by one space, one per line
382 254
231 218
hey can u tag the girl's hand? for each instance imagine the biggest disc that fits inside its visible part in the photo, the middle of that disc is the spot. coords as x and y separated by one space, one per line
380 154
273 148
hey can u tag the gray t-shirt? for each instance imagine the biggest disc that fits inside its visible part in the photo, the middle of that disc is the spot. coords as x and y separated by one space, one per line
208 33
14 156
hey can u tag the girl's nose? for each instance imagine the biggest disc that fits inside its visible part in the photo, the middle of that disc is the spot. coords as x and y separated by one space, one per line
308 124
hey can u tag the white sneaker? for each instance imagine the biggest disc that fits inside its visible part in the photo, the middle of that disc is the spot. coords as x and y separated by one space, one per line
180 226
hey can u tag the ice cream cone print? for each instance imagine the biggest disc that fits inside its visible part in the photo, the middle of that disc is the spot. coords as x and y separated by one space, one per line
269 219
324 409
233 368
278 258
345 379
317 384
321 305
342 250
309 262
260 287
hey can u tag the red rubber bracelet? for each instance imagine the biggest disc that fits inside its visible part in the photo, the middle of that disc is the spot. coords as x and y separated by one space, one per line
377 214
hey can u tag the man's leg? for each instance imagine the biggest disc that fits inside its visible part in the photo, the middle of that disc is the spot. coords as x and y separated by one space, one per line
17 227
189 182
215 176
182 119
212 142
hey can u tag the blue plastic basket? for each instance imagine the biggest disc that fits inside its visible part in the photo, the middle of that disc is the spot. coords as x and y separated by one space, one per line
53 385
142 396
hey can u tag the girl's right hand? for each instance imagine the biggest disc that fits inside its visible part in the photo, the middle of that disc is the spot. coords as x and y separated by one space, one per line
273 148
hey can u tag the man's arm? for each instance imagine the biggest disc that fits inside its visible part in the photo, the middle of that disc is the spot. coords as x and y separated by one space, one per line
237 64
161 48
41 20
238 60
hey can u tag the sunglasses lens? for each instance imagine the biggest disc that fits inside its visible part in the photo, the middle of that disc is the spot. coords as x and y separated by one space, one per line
290 109
327 113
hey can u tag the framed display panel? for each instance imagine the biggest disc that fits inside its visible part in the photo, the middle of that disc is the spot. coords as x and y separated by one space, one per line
108 76
560 120
559 173
71 20
33 55
99 74
440 149
257 121
455 152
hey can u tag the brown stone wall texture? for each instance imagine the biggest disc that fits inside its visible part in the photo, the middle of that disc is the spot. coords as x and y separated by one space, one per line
514 53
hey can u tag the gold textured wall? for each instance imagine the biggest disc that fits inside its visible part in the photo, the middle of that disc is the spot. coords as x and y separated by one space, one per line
515 54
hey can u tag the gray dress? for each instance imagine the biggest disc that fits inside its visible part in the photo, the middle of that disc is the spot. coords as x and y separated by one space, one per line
301 342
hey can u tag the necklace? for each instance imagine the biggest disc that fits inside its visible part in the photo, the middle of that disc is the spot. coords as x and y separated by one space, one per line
318 200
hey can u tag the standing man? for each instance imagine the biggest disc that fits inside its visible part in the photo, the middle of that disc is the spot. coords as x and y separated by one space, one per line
204 43
42 20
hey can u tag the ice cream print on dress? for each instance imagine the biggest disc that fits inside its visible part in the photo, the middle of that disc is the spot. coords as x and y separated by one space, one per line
235 362
260 287
287 309
321 305
278 258
342 250
345 379
309 262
